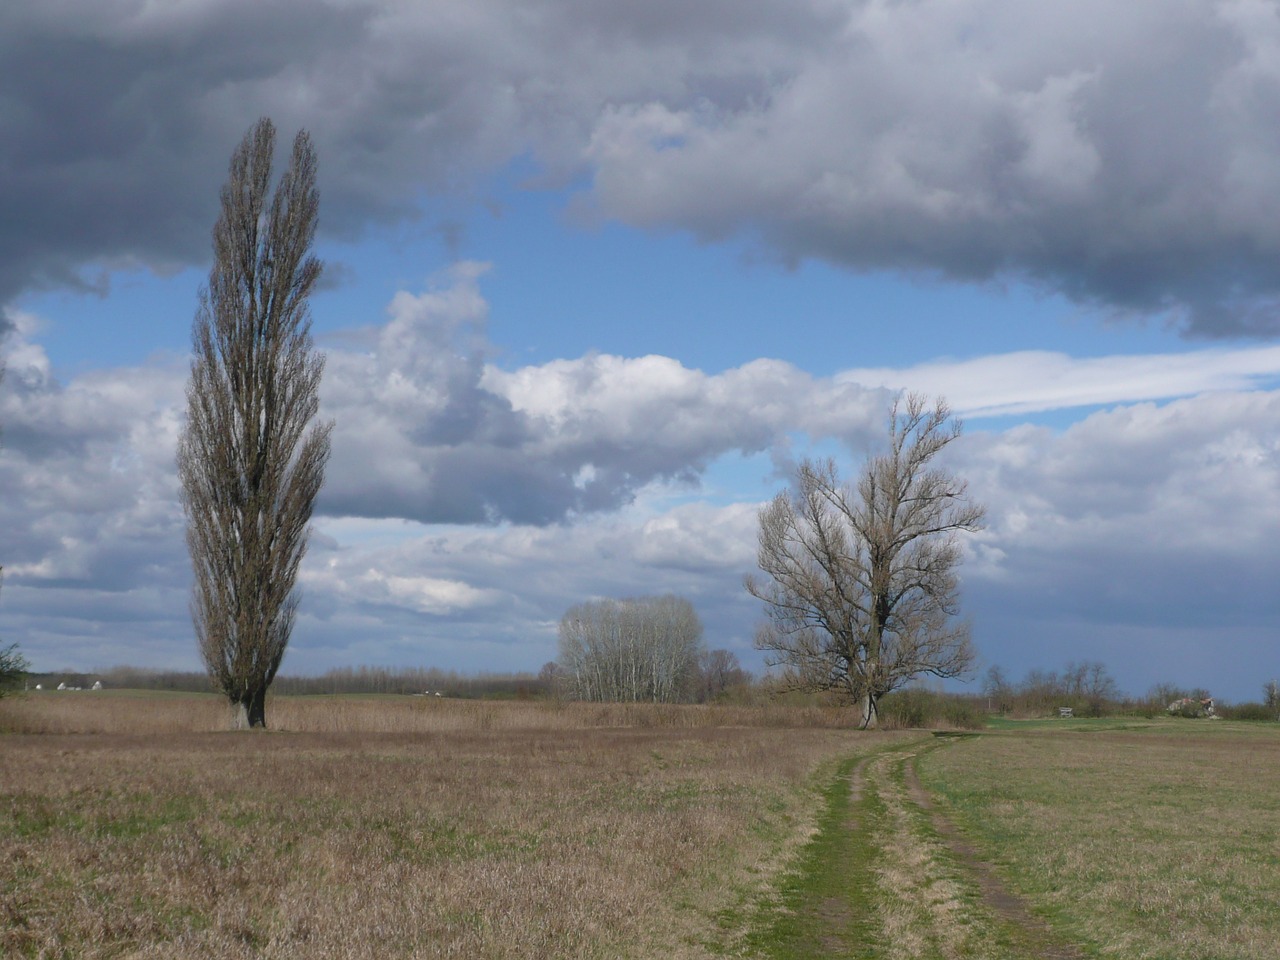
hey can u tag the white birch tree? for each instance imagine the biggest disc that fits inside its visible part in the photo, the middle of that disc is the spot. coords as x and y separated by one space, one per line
643 649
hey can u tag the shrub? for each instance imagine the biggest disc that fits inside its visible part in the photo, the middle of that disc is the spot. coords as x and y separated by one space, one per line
912 707
13 667
919 707
1188 708
963 713
1246 711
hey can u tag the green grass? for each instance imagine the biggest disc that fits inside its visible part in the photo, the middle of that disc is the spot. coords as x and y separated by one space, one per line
1076 724
1143 839
877 882
824 909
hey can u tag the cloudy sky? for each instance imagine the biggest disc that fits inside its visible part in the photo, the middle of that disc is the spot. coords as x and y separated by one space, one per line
598 275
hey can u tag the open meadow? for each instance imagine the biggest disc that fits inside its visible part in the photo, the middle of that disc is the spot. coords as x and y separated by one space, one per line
134 826
1133 839
397 826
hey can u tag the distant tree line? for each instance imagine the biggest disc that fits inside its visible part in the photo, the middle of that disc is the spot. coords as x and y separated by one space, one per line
716 675
410 680
718 678
344 680
1086 687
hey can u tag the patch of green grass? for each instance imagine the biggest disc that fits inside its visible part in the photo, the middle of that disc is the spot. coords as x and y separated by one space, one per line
33 817
101 814
1076 724
147 814
824 905
172 918
1141 840
878 881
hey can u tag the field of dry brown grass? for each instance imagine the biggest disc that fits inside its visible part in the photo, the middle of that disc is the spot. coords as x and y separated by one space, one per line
125 711
398 827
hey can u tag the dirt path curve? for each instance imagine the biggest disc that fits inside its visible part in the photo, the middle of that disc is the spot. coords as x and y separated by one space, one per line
994 893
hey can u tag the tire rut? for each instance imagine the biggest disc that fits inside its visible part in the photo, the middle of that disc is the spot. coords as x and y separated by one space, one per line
999 898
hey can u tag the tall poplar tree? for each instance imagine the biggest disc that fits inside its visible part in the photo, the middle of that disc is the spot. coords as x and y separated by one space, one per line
251 459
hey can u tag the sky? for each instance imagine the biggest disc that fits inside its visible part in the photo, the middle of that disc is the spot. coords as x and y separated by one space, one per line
599 275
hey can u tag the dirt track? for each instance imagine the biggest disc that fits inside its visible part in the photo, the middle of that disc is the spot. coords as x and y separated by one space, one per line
994 893
916 888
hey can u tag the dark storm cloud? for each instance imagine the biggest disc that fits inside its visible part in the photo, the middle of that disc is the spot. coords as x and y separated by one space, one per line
116 119
1131 168
116 123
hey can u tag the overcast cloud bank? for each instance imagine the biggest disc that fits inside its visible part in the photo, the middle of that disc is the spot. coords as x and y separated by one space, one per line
1130 168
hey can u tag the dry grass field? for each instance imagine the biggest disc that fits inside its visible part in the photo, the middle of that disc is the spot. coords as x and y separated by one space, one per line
398 827
126 711
135 826
1155 839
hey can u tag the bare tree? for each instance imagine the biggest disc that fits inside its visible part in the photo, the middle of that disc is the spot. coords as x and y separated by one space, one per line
861 586
719 672
250 458
630 650
997 689
1091 685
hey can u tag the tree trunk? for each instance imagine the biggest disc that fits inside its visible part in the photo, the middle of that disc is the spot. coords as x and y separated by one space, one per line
870 710
251 711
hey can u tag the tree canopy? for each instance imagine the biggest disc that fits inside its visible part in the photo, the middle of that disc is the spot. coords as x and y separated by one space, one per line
860 584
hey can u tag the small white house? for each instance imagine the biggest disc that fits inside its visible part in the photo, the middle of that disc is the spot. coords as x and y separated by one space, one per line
97 685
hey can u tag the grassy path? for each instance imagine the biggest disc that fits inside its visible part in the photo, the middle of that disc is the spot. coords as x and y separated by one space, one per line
888 877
